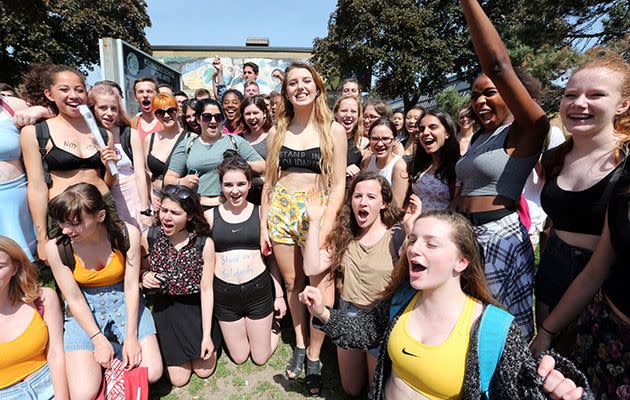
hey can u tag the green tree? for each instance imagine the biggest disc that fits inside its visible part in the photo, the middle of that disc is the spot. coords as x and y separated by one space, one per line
450 101
410 47
65 31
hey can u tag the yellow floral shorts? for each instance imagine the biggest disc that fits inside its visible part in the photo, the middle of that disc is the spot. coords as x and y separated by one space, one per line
286 216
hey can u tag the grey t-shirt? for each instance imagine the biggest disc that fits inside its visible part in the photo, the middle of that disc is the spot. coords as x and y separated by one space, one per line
205 158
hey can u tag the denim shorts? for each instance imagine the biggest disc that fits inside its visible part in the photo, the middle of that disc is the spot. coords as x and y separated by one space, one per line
108 307
351 310
38 386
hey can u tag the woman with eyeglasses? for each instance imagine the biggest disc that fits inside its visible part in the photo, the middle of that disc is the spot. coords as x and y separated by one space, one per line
195 160
96 264
181 263
159 146
384 162
246 292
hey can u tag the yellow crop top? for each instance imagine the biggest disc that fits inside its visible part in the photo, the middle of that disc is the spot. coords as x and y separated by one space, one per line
25 354
112 273
436 372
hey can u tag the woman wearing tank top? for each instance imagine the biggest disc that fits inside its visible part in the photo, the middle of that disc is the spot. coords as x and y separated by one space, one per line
15 218
410 147
130 191
433 171
384 162
246 293
595 109
428 324
159 146
72 155
102 291
495 168
361 254
31 340
347 111
305 126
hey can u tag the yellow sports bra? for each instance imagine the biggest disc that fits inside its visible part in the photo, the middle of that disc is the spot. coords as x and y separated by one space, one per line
110 274
25 354
436 372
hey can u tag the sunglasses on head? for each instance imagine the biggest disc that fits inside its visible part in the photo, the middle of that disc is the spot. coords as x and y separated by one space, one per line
182 192
207 117
160 112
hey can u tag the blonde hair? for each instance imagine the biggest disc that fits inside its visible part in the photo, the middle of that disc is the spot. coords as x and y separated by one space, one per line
24 285
358 131
323 119
103 89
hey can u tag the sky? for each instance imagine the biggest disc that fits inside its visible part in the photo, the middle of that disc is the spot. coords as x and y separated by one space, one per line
202 22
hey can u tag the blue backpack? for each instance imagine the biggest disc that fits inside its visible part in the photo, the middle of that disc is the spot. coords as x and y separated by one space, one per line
493 330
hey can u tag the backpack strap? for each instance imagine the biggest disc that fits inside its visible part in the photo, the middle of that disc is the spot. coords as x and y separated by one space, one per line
493 331
7 107
42 133
200 243
125 233
190 144
125 141
152 237
66 253
234 144
403 295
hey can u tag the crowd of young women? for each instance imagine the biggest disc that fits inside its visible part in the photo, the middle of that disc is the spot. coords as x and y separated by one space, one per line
227 213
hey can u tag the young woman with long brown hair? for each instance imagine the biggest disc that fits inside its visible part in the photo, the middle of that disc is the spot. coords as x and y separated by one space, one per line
349 114
306 153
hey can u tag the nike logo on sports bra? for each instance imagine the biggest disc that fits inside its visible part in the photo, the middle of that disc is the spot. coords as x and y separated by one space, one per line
404 351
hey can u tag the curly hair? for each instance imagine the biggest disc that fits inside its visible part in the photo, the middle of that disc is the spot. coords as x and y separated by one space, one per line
40 78
347 229
235 124
190 204
24 285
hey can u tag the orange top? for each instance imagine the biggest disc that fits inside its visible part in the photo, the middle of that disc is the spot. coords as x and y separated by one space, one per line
25 354
110 274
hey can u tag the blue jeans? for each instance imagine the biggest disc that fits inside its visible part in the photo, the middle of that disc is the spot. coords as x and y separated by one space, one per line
108 307
38 386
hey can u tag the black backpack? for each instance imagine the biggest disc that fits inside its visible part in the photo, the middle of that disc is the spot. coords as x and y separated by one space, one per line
66 253
125 141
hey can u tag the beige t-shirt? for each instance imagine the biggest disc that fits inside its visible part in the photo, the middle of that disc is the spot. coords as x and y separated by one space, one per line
367 270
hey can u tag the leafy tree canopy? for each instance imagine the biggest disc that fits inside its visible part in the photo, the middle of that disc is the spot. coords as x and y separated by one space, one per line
410 47
65 31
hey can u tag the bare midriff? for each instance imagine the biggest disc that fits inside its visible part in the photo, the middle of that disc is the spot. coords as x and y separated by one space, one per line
298 181
238 266
61 180
473 204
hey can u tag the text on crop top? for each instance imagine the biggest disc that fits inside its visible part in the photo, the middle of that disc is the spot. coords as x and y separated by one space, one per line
487 170
437 372
110 274
582 211
239 236
25 354
59 159
300 160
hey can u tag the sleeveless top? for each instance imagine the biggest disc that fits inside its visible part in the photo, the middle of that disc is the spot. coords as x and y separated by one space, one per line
124 165
582 211
236 236
434 193
487 170
354 155
386 172
260 147
436 372
25 354
158 167
182 268
10 135
59 159
138 124
300 160
110 274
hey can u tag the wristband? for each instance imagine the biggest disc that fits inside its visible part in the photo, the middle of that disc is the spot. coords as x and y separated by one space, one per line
96 334
542 328
147 213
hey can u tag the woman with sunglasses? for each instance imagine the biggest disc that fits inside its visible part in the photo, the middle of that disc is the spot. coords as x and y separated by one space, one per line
130 192
159 146
181 263
246 292
194 162
96 265
384 162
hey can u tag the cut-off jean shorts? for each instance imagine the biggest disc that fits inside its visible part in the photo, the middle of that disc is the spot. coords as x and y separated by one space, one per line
108 307
351 310
38 386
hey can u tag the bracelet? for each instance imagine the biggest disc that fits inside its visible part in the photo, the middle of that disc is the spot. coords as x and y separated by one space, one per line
148 212
96 334
542 328
280 297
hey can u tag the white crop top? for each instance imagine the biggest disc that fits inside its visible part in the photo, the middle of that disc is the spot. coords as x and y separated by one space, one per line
385 172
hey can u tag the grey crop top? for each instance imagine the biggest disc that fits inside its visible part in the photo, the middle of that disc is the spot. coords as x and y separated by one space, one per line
487 170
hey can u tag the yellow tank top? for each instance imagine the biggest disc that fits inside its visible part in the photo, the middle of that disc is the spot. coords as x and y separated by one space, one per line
25 354
436 372
110 274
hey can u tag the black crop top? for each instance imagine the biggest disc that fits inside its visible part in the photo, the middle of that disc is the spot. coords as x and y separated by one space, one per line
158 167
580 212
615 286
241 236
61 160
300 160
354 155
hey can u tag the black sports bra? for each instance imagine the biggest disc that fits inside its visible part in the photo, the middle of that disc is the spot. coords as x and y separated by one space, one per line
241 236
158 167
300 160
61 160
581 211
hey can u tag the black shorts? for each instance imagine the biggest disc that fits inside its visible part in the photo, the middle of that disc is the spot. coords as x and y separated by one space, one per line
253 299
